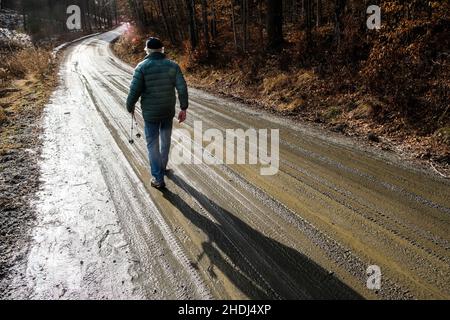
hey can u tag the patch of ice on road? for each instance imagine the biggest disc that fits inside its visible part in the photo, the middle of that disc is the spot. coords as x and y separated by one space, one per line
78 249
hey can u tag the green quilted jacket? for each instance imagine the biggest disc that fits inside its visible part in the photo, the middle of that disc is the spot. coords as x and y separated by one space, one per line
155 80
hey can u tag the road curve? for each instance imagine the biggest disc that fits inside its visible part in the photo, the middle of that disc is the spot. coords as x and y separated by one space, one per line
225 231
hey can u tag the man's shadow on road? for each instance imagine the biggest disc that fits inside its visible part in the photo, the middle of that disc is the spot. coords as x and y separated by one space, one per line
276 270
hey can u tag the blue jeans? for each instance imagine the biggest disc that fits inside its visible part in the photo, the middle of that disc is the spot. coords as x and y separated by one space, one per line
158 151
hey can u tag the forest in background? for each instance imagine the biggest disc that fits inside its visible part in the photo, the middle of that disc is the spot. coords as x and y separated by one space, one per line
29 31
47 18
314 60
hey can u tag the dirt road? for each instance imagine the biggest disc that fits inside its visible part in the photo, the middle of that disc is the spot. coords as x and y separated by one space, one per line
222 231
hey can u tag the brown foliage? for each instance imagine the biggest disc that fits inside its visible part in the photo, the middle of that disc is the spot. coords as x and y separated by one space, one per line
409 67
29 61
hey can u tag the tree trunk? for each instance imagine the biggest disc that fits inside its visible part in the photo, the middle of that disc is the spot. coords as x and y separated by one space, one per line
164 18
205 22
192 25
338 11
275 23
261 22
213 21
244 11
319 13
233 21
178 17
308 21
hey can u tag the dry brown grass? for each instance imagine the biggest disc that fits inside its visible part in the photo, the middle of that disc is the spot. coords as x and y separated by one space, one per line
284 91
292 106
29 61
28 77
304 77
276 83
2 116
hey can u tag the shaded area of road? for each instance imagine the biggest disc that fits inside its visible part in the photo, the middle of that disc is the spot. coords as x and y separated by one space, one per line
310 231
229 235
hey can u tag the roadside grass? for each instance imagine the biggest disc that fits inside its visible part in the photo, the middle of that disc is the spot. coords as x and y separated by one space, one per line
2 116
34 62
29 76
332 113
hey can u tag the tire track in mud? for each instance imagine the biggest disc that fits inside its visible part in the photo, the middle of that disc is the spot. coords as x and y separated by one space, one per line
149 231
328 161
389 222
334 250
346 193
326 148
435 240
222 190
383 220
381 224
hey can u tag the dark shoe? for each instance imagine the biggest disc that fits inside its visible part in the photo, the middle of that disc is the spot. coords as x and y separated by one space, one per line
168 172
157 185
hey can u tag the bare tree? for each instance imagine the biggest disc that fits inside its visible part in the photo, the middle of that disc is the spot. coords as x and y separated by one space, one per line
213 20
193 34
308 20
275 23
205 22
244 13
165 20
233 21
338 12
319 13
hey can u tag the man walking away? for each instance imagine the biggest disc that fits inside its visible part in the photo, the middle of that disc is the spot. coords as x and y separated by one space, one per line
155 80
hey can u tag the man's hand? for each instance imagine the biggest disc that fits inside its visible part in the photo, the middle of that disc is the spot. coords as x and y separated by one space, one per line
182 116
